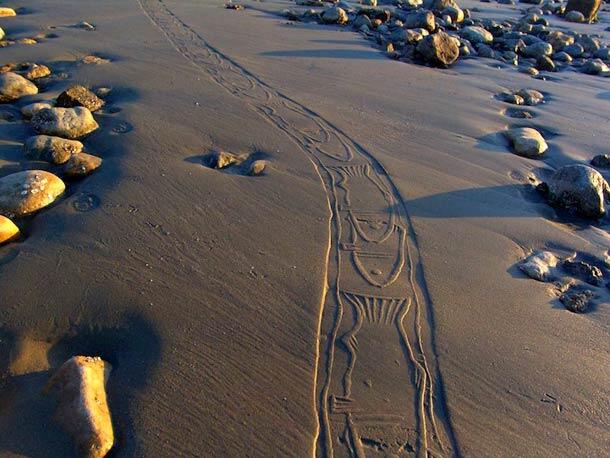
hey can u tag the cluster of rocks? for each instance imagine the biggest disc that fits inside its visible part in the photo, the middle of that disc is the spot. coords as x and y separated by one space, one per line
439 32
577 281
59 126
243 164
4 41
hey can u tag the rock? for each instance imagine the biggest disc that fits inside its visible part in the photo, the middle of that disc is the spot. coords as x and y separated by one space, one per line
27 41
531 97
539 266
28 70
589 43
591 274
94 60
420 19
84 25
8 230
439 49
456 14
70 123
362 19
580 189
257 168
545 64
510 97
30 110
440 5
6 12
475 34
23 193
574 50
2 34
527 142
562 56
334 15
83 407
51 149
588 8
81 164
220 159
603 54
532 71
369 2
595 67
484 50
575 16
601 161
79 96
14 86
559 40
576 299
103 92
537 50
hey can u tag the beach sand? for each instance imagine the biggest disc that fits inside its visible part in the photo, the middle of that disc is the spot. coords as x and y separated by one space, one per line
214 294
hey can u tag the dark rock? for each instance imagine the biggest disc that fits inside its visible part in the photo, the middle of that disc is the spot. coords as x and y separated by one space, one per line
588 8
591 274
577 300
439 49
601 161
79 96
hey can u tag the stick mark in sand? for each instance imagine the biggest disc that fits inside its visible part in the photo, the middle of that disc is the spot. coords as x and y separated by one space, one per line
378 387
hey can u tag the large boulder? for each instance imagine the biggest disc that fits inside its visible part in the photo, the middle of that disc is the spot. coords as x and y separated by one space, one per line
56 150
8 230
70 123
14 86
527 142
580 189
79 96
588 8
439 49
83 406
334 15
23 193
475 34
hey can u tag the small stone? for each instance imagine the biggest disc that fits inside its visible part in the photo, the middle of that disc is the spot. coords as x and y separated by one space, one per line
580 189
8 230
79 96
576 299
84 25
30 110
532 71
334 15
562 56
456 14
14 86
575 16
539 266
81 164
83 406
257 167
56 150
527 142
23 193
69 123
559 40
595 67
220 159
510 97
94 60
439 49
6 12
103 92
531 97
28 70
601 161
27 41
545 63
585 271
537 50
602 53
574 50
475 34
420 19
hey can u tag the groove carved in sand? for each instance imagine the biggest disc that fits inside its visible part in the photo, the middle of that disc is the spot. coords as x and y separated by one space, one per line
378 387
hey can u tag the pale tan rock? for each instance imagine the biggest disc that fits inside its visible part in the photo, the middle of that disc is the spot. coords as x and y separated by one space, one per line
8 230
7 12
69 123
81 164
27 41
56 150
257 168
527 142
28 70
23 193
30 110
83 407
14 86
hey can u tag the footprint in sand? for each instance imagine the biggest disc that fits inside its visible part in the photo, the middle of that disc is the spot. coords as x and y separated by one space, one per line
519 113
122 127
85 202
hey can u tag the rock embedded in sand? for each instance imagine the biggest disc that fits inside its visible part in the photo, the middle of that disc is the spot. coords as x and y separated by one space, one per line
257 167
2 34
475 34
7 12
69 123
27 41
576 299
531 97
219 159
601 161
595 67
23 193
30 110
56 150
527 142
588 8
439 49
81 164
585 271
545 64
334 15
14 86
575 16
28 70
8 230
539 266
559 40
580 189
83 407
79 96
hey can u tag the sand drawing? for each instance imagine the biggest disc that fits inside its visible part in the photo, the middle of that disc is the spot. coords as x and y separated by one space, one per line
378 390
